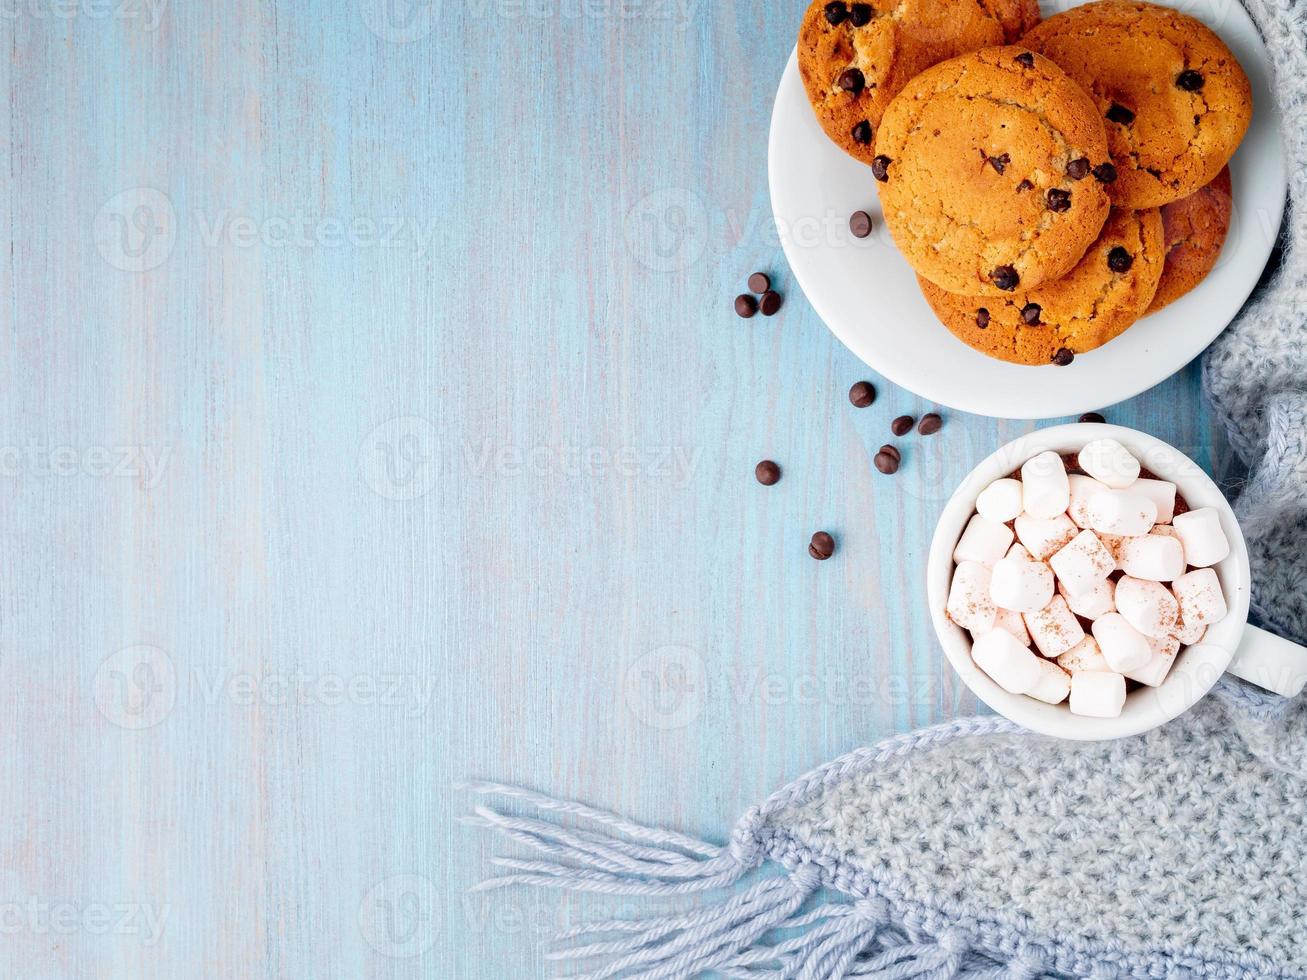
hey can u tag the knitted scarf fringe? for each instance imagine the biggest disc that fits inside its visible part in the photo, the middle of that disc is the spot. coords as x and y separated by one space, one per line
859 927
832 941
761 933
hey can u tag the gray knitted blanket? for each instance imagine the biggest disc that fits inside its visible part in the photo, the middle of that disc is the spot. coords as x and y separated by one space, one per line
974 849
1256 372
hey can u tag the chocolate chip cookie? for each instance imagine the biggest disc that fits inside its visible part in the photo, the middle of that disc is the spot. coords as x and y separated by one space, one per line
1175 101
1195 228
1103 295
855 57
986 165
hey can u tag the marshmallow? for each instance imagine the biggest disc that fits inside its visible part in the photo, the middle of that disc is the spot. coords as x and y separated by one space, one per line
1082 489
1085 655
1189 635
1001 501
1147 606
1098 601
1202 602
1159 664
1112 542
1009 665
969 604
1054 628
1021 586
1156 557
1166 530
1042 537
1054 683
1110 463
1161 492
984 541
1018 550
1083 563
1201 534
1007 620
1097 694
1124 648
1121 512
1045 488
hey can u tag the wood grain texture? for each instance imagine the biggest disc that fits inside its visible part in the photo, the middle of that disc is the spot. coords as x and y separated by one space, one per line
374 417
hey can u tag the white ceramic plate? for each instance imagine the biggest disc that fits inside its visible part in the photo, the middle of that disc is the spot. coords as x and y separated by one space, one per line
867 294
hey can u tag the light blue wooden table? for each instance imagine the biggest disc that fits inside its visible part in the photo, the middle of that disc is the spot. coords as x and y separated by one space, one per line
373 417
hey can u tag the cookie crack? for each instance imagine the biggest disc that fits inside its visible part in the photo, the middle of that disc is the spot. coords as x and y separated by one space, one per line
1029 237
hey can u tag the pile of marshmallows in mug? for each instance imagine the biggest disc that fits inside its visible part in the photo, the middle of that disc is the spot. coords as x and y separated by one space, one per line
1075 532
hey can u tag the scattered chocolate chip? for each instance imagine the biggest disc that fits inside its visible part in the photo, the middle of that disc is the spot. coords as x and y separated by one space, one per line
1030 314
768 473
1025 185
880 168
982 318
1063 357
1105 173
860 224
862 133
1025 59
1119 260
860 14
769 302
1092 417
1005 277
930 424
1058 200
862 394
902 425
1078 169
999 163
760 282
836 12
745 305
1189 80
822 546
887 462
851 80
1118 113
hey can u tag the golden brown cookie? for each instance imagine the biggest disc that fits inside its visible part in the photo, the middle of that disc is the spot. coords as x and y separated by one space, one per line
855 57
1195 228
1175 100
986 169
1103 295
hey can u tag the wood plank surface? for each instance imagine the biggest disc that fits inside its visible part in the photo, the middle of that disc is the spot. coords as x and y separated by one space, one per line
373 416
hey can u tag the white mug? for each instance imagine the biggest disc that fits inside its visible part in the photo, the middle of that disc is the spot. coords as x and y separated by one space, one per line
1230 645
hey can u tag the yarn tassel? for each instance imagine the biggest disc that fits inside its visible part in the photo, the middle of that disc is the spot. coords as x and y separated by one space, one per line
838 947
620 858
687 945
606 853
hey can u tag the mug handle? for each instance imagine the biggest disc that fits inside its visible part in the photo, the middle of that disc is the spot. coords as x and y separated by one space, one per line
1270 662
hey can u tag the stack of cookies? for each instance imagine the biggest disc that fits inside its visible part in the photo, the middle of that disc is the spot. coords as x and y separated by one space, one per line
1050 183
